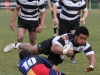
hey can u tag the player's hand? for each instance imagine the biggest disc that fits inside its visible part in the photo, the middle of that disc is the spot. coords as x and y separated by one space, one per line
39 28
12 26
90 68
51 9
56 22
82 20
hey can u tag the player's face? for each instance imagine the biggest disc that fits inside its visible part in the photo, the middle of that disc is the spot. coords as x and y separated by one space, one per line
80 40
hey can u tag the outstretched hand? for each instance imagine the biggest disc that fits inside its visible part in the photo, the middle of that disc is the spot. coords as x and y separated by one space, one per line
88 69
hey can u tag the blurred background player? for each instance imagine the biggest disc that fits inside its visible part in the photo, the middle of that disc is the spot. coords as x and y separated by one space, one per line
55 27
69 21
79 12
27 12
45 5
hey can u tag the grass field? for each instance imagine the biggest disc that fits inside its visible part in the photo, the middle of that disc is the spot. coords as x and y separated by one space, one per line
8 61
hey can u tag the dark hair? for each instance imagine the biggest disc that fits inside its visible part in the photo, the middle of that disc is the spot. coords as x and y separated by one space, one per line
24 53
81 30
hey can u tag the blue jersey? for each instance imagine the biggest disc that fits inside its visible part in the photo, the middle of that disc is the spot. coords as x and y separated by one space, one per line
35 65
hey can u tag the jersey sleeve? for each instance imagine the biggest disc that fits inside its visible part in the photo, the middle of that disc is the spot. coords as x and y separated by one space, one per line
18 3
61 40
41 6
88 49
84 6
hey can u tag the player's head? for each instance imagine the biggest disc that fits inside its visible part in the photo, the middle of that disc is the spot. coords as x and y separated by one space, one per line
82 30
80 35
24 53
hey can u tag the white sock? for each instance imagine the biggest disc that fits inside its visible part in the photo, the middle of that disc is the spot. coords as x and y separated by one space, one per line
17 45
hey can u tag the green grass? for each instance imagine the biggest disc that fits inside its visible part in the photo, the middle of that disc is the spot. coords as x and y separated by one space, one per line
8 61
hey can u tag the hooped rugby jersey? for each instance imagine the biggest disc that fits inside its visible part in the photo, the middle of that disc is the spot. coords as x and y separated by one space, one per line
70 8
30 8
68 38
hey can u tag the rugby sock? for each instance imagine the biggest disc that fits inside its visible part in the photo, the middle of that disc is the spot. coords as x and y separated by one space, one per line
55 29
17 45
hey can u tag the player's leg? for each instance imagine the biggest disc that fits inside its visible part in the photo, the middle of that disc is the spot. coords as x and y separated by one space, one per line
43 47
55 30
20 34
32 37
21 29
39 20
54 26
72 59
32 31
26 46
74 25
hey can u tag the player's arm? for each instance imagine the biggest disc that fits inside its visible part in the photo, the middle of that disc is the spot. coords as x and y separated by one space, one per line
85 13
56 22
15 13
59 47
59 50
50 5
42 12
14 16
42 16
49 64
92 60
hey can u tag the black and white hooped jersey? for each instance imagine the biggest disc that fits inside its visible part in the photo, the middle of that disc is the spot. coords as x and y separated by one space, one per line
70 8
29 9
68 38
58 8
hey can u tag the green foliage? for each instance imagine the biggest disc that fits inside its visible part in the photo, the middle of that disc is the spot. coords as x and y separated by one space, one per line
8 61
